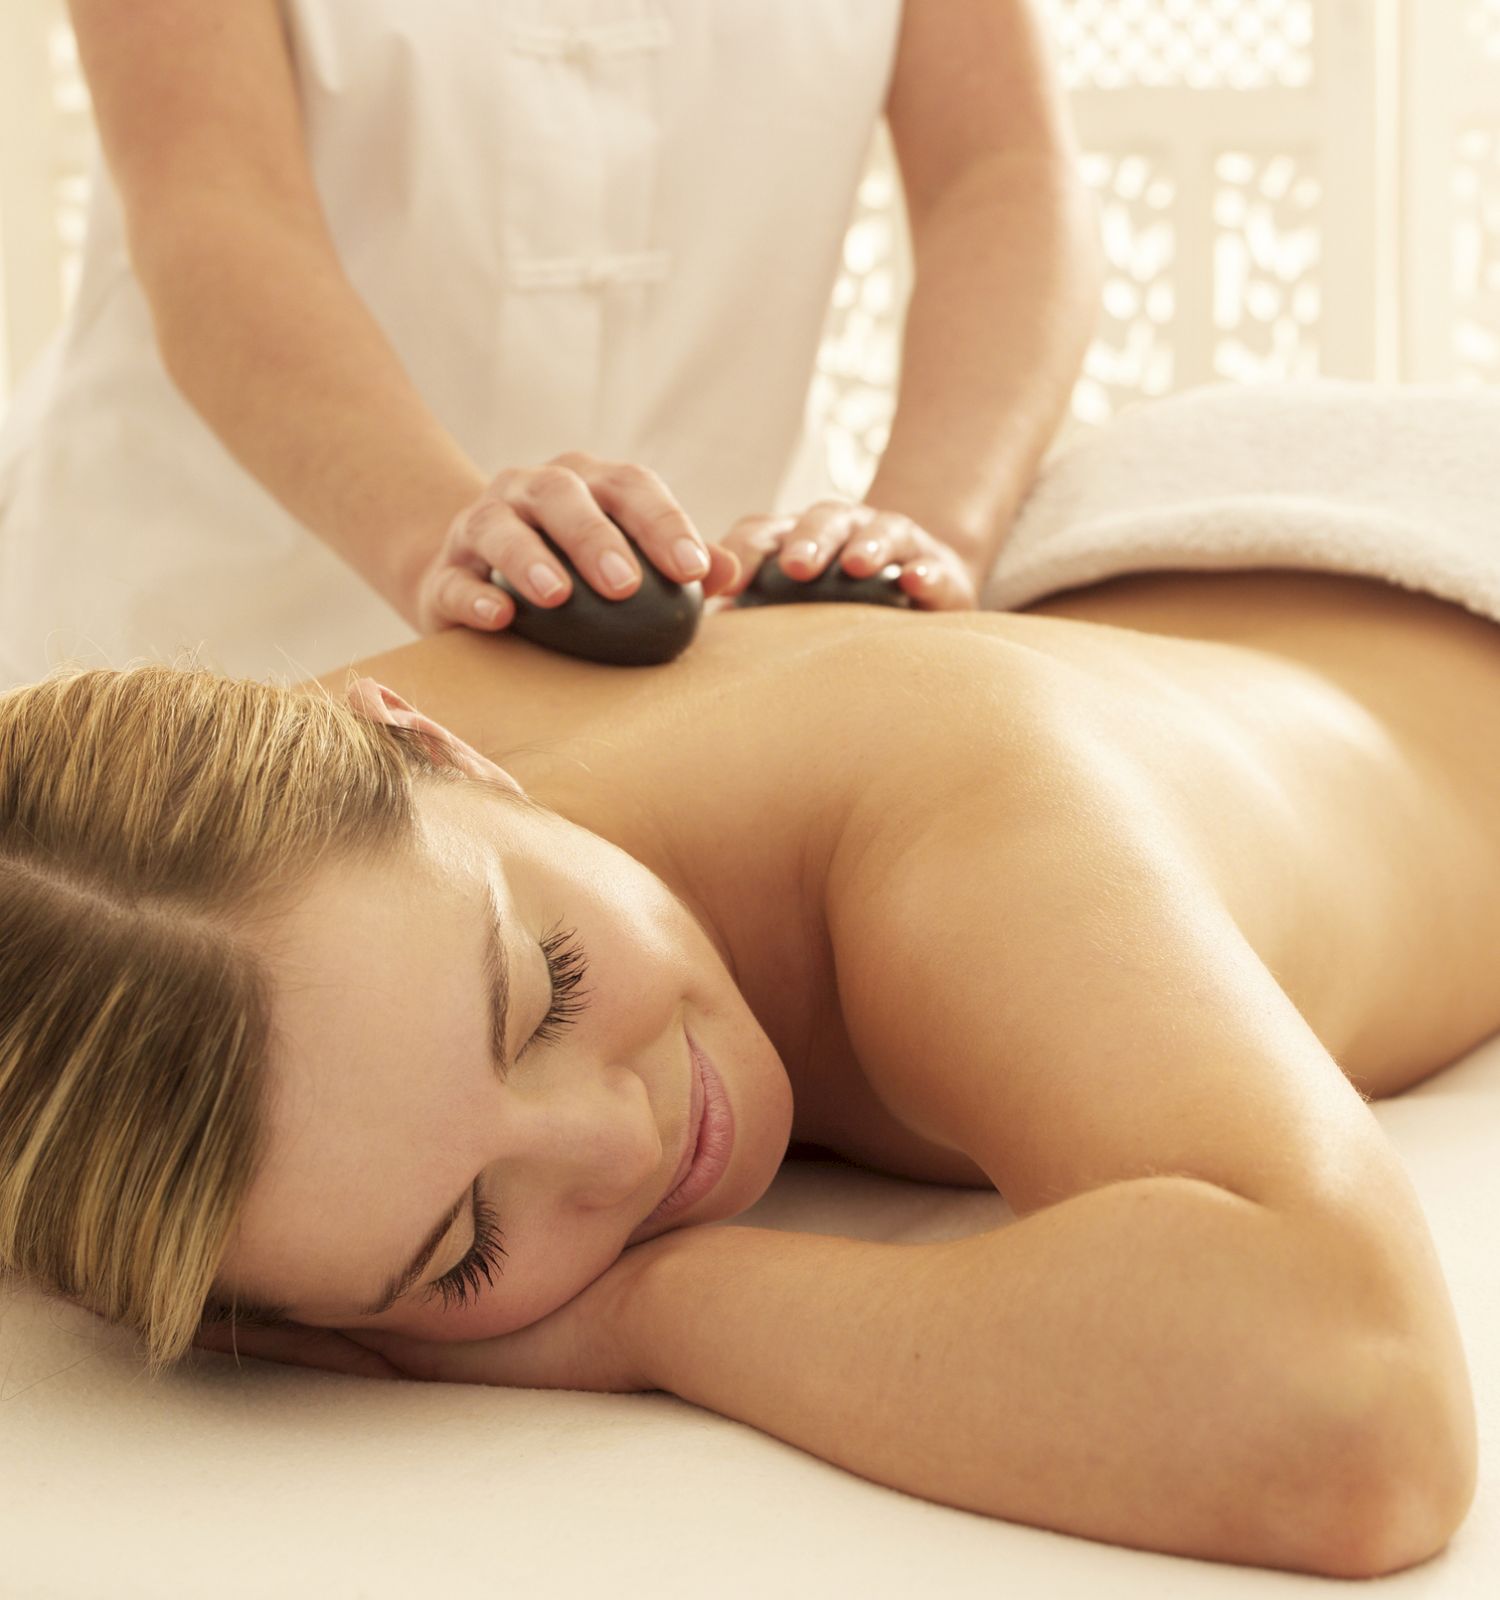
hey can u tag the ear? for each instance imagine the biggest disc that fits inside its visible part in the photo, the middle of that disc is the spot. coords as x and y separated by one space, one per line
380 704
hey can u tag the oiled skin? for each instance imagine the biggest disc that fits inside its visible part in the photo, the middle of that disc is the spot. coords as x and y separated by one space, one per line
1329 748
1313 757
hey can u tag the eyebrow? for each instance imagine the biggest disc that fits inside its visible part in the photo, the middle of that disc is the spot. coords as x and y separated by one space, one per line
497 998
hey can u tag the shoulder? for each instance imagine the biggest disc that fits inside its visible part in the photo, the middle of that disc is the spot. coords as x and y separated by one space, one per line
1034 970
941 684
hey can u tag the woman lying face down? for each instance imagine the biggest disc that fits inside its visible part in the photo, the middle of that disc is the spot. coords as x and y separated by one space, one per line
988 900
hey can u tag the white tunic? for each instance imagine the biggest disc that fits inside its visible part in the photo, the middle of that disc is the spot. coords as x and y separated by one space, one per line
606 225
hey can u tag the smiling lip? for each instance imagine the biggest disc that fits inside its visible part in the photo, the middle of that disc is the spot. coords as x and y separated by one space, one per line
697 1099
710 1141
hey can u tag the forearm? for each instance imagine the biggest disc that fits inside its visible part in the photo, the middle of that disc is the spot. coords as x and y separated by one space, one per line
1004 306
272 345
1136 1365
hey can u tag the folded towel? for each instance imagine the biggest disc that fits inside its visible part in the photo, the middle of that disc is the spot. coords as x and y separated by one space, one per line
1396 482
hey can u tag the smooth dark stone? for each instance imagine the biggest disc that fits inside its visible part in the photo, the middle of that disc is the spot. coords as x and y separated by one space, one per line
773 587
655 624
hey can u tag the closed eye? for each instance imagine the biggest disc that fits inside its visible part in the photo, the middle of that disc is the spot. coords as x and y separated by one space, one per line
460 1284
567 967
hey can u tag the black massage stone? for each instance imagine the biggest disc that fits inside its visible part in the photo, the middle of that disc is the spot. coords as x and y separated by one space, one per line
655 624
772 587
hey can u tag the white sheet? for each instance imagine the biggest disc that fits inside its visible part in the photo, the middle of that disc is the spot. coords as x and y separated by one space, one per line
282 1481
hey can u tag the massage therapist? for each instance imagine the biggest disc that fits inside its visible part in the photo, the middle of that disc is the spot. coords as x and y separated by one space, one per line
374 290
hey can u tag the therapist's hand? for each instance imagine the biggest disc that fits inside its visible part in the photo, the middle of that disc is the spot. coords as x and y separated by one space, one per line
862 540
582 504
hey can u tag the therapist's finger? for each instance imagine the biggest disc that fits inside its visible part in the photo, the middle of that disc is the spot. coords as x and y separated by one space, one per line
820 533
724 569
886 537
500 539
637 499
466 600
555 499
937 585
752 540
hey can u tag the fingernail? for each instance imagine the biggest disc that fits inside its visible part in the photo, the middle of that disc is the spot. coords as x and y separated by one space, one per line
544 581
615 569
486 610
870 548
690 558
805 551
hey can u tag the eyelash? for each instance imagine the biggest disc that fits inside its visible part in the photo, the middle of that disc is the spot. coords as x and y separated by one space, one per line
567 966
459 1283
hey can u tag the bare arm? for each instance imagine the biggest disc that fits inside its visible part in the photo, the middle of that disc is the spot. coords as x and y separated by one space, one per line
1008 268
1219 1248
1130 1366
256 320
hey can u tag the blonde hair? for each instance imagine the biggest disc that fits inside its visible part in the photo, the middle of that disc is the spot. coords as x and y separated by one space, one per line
144 815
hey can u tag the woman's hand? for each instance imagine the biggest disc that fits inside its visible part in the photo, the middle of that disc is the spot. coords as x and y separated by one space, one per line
863 540
590 1342
295 1345
582 504
593 1341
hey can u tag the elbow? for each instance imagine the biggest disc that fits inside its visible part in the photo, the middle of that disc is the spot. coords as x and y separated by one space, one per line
1397 1474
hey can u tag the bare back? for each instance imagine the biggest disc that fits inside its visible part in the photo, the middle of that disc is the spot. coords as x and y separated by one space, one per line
1368 720
1325 747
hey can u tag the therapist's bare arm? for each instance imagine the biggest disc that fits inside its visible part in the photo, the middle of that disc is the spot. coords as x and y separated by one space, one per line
257 322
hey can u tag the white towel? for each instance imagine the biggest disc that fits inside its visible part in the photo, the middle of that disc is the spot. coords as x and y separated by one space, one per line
1396 482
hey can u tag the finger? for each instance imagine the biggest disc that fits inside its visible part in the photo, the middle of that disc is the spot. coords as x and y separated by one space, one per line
886 537
752 540
724 572
500 540
638 500
820 533
462 598
562 505
935 585
297 1346
431 1360
580 461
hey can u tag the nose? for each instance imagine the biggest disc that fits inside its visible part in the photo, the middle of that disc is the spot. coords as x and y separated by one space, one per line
597 1139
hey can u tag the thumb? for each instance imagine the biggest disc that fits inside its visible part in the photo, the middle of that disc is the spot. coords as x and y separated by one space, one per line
724 569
